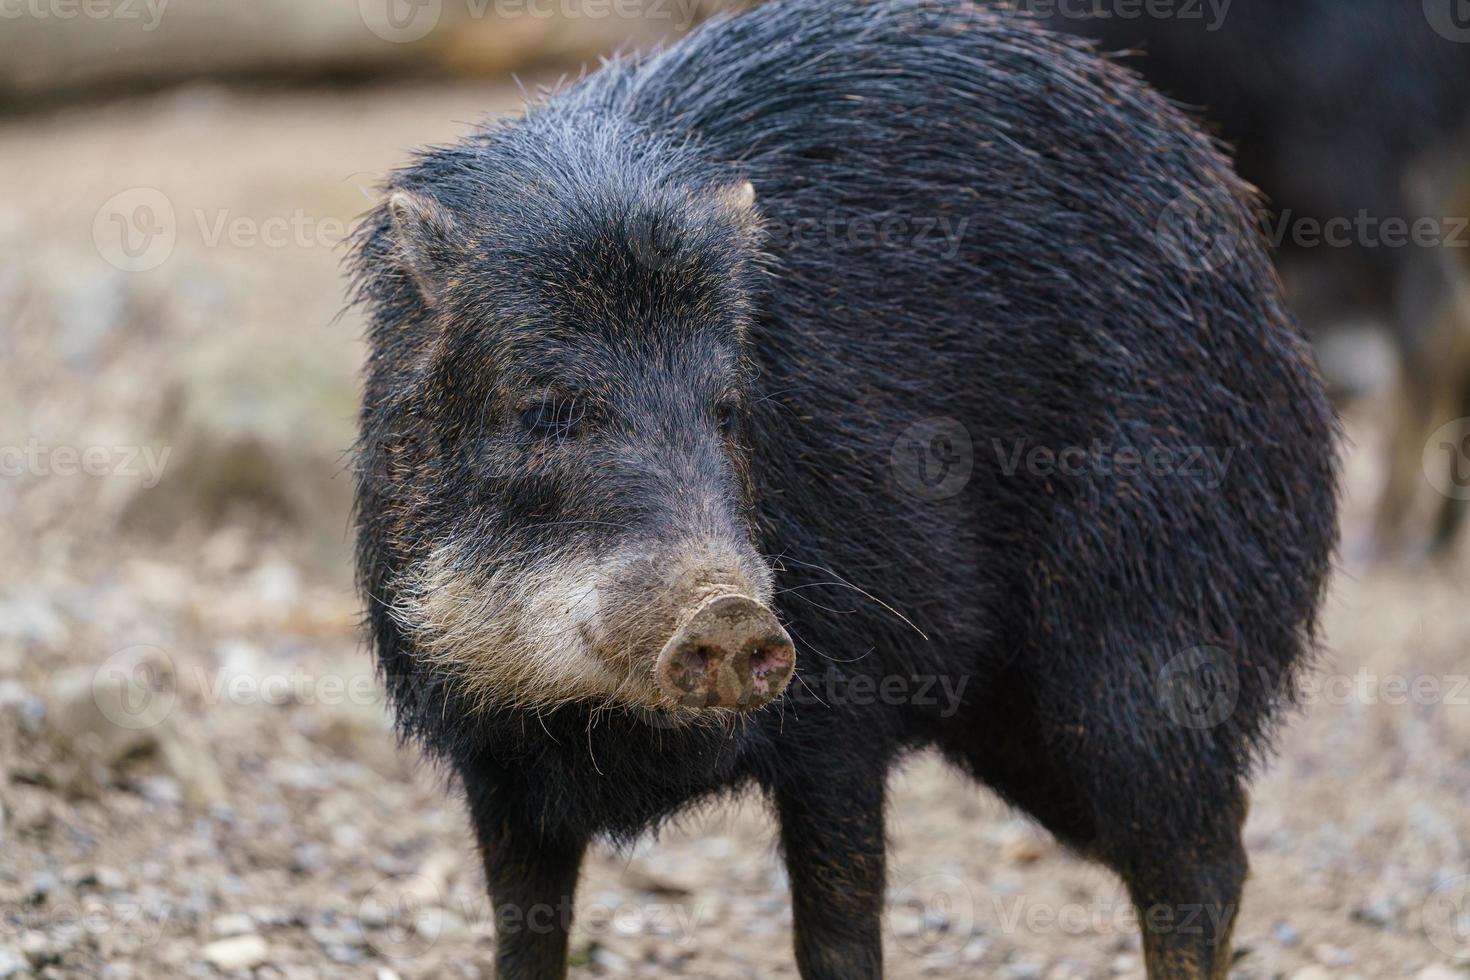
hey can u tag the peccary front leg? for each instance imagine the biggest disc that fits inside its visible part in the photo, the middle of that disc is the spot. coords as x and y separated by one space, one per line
833 840
532 879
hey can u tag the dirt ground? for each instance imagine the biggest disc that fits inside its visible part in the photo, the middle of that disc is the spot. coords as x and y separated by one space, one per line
196 774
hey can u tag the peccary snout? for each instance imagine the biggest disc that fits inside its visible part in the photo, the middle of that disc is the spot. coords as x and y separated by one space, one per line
731 652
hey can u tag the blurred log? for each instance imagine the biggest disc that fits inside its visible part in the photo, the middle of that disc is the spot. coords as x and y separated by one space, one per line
61 48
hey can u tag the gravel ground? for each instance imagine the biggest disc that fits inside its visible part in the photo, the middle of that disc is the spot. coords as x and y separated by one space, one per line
196 775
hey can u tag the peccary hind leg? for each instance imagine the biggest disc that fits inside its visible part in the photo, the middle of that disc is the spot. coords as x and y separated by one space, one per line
1167 820
1186 912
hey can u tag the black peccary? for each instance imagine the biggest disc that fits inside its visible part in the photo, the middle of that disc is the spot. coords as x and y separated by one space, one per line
685 350
1353 117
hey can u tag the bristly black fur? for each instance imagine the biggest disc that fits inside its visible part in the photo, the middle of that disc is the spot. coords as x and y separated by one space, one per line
1064 316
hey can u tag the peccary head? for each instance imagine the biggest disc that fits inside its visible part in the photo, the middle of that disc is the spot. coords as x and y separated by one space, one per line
555 493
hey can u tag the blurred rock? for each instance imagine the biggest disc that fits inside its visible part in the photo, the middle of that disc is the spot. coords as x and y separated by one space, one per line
260 430
1026 850
236 953
643 877
161 790
99 878
1440 973
1379 911
116 720
1312 973
38 949
42 884
234 924
1285 934
191 763
32 619
28 709
102 717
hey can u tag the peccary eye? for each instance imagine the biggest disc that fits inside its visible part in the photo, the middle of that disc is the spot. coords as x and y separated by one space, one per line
728 415
554 417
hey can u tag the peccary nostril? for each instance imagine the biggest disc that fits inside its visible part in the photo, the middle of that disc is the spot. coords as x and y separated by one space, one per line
730 652
689 666
770 662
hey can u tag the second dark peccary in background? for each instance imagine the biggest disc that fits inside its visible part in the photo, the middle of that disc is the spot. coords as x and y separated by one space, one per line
1338 109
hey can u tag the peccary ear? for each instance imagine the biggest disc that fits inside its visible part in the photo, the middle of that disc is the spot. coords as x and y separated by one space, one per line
425 236
738 201
738 198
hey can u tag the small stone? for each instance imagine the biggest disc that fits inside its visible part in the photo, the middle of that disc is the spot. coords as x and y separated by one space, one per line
1379 911
42 884
88 878
233 924
904 922
236 953
656 881
194 767
609 961
161 790
1437 972
308 858
1312 973
435 924
935 921
109 879
386 973
10 963
1329 955
1026 850
343 953
103 716
37 949
374 915
1286 934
